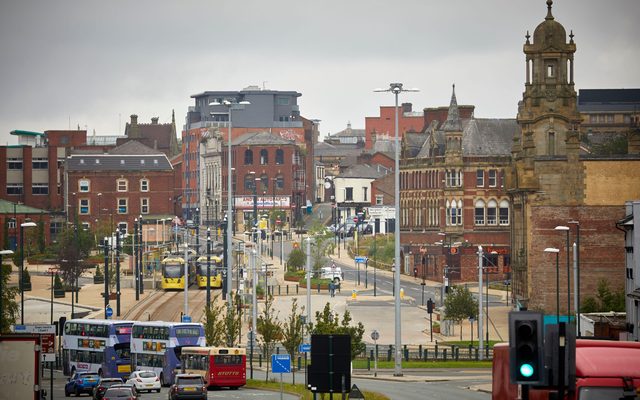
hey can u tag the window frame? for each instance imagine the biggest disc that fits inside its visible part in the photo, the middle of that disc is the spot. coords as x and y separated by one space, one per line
144 182
492 213
84 185
15 189
248 157
39 189
264 157
479 205
479 178
493 178
144 203
504 205
348 193
122 185
84 206
126 205
279 157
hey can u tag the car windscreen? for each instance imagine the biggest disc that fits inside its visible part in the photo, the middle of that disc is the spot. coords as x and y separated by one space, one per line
196 380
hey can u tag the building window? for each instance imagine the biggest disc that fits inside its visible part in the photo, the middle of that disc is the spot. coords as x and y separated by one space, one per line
492 212
144 206
479 178
479 212
84 206
55 228
122 185
348 194
122 206
280 182
279 157
11 224
248 157
144 185
379 199
14 163
283 101
84 185
249 181
40 163
550 72
492 177
365 193
86 226
264 157
453 214
551 150
14 188
40 188
459 216
504 212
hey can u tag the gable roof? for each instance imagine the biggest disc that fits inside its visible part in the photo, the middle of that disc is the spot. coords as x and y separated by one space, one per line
133 147
263 138
365 171
130 156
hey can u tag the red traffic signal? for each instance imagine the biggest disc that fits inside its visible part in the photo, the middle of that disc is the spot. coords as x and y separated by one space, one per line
355 219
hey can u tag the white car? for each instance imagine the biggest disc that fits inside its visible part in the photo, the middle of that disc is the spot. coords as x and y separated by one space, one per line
144 380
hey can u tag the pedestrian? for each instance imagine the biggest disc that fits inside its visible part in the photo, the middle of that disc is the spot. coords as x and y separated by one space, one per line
332 289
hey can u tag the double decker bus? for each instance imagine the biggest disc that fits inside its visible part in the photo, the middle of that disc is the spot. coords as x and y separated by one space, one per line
173 273
156 346
215 267
218 366
100 346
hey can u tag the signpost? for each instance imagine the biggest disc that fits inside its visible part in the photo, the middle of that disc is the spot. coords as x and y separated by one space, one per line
47 338
280 364
108 312
360 260
375 335
304 348
186 318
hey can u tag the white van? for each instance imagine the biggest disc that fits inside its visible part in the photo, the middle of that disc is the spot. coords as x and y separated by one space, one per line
333 272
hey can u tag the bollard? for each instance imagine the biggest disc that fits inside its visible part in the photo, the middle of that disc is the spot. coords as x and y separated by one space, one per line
457 353
299 363
470 351
260 360
354 294
477 358
287 290
297 288
426 354
389 353
444 354
278 290
406 353
318 288
436 350
368 364
419 351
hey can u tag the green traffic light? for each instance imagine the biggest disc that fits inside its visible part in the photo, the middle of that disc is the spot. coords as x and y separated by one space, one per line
526 370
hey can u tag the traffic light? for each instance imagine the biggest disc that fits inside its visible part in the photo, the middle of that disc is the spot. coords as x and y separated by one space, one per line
430 306
526 348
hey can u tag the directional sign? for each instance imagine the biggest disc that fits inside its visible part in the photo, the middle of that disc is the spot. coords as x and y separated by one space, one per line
375 335
361 259
47 338
108 312
186 318
304 348
280 363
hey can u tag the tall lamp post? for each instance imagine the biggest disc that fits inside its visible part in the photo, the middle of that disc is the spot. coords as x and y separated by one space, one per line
22 226
396 89
566 229
576 274
230 107
557 252
2 253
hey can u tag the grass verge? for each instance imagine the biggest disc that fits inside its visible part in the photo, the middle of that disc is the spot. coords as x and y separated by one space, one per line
362 364
301 390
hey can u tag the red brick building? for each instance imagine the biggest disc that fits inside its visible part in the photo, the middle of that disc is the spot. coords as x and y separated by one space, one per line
109 191
382 127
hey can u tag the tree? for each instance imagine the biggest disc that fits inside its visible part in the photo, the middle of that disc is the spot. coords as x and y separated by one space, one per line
459 305
214 325
232 323
605 300
296 260
292 332
41 238
9 304
75 245
270 330
328 322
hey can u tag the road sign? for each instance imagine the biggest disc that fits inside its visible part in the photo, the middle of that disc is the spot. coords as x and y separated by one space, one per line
304 348
47 338
375 335
355 219
186 318
108 312
361 259
355 393
280 363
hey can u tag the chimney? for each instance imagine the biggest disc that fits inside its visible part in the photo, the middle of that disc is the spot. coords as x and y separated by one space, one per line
154 120
134 119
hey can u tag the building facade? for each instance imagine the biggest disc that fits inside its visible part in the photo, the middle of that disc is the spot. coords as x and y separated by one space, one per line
553 187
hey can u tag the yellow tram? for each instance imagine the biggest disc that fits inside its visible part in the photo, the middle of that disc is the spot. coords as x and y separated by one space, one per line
215 267
173 273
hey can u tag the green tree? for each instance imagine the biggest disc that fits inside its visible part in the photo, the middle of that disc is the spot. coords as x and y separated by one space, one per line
270 330
605 300
232 323
459 305
296 260
292 332
9 305
74 249
328 322
41 238
214 324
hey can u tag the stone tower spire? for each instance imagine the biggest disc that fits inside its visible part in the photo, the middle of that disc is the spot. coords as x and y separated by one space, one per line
453 130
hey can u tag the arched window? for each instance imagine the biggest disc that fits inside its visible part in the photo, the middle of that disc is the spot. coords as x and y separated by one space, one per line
492 212
504 212
279 157
248 182
479 212
454 213
248 157
264 157
459 213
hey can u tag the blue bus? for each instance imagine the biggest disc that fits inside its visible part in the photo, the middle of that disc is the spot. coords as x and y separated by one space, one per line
157 346
100 346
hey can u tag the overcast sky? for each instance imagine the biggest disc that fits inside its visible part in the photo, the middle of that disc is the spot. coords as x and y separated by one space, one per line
92 63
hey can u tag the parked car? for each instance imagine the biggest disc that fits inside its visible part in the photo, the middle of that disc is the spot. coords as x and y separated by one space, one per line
81 382
145 380
121 392
103 385
188 386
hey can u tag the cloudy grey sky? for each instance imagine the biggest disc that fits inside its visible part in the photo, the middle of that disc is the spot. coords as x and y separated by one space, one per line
92 63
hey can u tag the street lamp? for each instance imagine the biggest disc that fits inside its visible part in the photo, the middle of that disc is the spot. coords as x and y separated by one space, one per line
22 226
557 251
230 106
576 273
2 253
396 89
566 229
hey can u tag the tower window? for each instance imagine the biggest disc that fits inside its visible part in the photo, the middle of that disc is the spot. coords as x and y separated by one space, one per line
550 71
552 144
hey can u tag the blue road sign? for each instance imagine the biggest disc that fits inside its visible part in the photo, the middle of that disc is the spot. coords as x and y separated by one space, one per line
280 363
186 318
304 348
361 259
108 312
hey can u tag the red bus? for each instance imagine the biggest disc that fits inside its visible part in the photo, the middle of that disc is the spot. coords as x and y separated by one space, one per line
218 366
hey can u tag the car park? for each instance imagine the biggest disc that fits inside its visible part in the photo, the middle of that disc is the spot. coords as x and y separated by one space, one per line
144 380
188 386
81 382
103 385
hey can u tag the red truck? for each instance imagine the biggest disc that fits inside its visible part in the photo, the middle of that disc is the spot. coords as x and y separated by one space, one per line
605 370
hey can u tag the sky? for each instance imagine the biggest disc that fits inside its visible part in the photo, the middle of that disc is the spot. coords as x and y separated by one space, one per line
93 63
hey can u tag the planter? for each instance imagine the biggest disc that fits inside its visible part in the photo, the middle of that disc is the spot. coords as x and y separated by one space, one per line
98 279
58 293
71 289
113 296
26 286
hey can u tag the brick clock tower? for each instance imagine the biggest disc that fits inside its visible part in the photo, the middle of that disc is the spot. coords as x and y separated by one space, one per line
546 178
